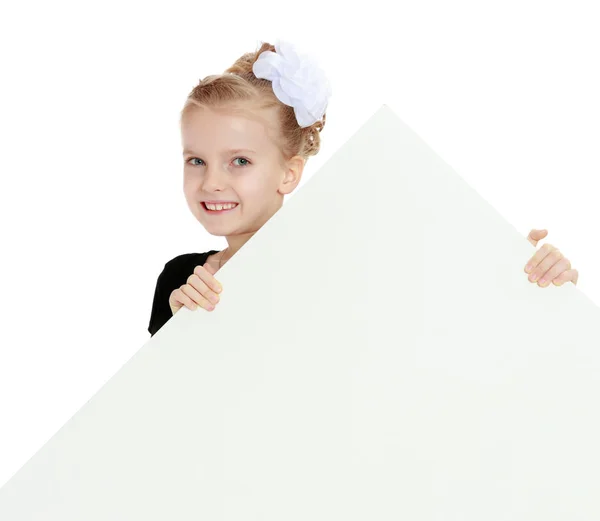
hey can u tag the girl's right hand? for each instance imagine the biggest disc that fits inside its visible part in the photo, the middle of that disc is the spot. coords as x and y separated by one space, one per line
201 290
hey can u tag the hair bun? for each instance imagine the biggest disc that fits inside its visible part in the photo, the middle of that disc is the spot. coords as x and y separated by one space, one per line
239 84
243 65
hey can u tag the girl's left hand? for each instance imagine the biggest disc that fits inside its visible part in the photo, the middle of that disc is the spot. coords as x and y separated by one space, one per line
548 264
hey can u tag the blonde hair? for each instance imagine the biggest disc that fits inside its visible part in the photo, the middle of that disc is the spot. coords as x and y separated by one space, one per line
239 84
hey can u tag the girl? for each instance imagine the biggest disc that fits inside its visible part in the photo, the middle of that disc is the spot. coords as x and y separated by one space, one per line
247 135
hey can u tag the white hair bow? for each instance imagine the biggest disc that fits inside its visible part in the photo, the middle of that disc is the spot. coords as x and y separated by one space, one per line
297 81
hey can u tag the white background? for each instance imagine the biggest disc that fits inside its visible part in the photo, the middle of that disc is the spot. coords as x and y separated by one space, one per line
92 196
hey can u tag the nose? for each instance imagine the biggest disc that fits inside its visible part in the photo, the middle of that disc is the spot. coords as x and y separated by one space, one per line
213 179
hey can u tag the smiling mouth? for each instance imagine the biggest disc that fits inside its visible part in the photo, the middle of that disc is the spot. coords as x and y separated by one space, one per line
219 208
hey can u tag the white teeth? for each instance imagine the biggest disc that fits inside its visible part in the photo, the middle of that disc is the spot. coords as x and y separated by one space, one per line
228 206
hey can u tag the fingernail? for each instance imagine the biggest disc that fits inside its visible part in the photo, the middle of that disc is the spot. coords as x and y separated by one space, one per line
542 282
534 278
529 268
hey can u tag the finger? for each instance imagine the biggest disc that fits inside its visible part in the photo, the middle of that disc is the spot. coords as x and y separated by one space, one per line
183 299
206 275
566 276
536 235
538 258
563 264
175 302
201 287
547 263
196 298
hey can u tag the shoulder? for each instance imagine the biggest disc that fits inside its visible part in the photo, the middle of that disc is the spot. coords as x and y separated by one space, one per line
179 268
185 259
174 274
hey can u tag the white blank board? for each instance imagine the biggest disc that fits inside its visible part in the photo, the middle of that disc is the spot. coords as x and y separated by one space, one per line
378 353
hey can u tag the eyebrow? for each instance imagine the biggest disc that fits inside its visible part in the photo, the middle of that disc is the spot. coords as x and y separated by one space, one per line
233 151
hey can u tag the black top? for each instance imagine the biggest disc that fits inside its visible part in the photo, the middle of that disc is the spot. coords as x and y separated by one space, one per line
173 276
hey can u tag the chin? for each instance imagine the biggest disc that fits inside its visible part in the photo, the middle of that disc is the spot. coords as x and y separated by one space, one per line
217 233
218 230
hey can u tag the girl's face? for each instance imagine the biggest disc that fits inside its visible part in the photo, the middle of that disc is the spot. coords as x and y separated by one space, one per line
232 158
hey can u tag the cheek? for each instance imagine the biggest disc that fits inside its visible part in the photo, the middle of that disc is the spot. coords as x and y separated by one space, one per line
257 189
189 183
190 193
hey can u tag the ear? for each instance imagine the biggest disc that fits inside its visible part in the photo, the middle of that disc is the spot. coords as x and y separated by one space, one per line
293 173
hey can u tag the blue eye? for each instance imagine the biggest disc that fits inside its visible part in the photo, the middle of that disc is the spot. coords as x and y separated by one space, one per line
192 159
